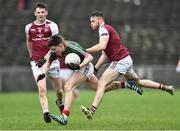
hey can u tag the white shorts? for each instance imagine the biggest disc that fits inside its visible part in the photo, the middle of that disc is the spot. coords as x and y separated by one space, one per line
66 73
87 70
124 66
53 72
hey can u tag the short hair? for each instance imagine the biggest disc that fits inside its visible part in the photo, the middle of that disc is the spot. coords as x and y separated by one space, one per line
41 5
97 13
55 40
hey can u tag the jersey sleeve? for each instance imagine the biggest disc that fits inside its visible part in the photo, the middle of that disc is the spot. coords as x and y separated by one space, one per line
79 49
27 27
103 32
54 28
74 47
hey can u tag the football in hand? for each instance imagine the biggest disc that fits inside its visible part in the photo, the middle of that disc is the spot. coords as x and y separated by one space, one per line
72 58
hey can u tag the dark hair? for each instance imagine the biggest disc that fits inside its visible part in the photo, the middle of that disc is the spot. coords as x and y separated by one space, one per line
55 40
97 13
41 5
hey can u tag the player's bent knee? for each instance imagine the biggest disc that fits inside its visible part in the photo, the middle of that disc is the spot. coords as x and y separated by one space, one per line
101 85
67 88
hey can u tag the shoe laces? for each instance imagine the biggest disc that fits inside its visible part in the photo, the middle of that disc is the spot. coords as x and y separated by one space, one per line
63 120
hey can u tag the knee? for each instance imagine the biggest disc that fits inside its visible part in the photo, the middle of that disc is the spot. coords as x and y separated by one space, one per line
101 85
68 87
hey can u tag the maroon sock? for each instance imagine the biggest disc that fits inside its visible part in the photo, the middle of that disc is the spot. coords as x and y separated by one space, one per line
122 84
162 87
61 109
66 112
93 108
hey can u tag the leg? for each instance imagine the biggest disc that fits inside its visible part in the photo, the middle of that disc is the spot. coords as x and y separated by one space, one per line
65 74
124 66
42 95
155 85
149 83
43 99
42 91
115 85
92 83
69 87
108 76
133 81
57 84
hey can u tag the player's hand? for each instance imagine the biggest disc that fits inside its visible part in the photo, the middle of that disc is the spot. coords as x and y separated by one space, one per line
52 57
40 62
40 77
73 66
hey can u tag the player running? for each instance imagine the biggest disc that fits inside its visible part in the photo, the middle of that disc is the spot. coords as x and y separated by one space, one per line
82 73
120 62
37 35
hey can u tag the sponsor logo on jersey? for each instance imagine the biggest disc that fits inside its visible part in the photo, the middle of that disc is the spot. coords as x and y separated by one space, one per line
32 30
104 34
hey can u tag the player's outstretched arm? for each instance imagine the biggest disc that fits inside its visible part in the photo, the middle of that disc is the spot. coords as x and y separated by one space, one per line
103 41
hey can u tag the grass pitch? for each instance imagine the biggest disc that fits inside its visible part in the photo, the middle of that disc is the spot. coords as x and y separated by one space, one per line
120 110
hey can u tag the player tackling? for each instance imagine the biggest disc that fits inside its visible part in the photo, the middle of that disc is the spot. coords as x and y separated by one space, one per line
83 72
120 62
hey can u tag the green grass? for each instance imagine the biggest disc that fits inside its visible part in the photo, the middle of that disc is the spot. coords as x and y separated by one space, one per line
123 110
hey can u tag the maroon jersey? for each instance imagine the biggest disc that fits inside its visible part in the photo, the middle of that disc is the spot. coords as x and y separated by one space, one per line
115 50
62 62
39 35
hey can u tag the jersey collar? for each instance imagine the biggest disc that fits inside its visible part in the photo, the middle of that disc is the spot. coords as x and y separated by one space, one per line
35 22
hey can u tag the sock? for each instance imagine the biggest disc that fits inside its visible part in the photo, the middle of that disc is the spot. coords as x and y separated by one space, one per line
66 112
122 84
93 108
59 101
162 87
60 104
59 95
45 110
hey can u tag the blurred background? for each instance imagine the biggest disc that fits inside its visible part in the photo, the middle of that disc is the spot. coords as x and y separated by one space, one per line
150 29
